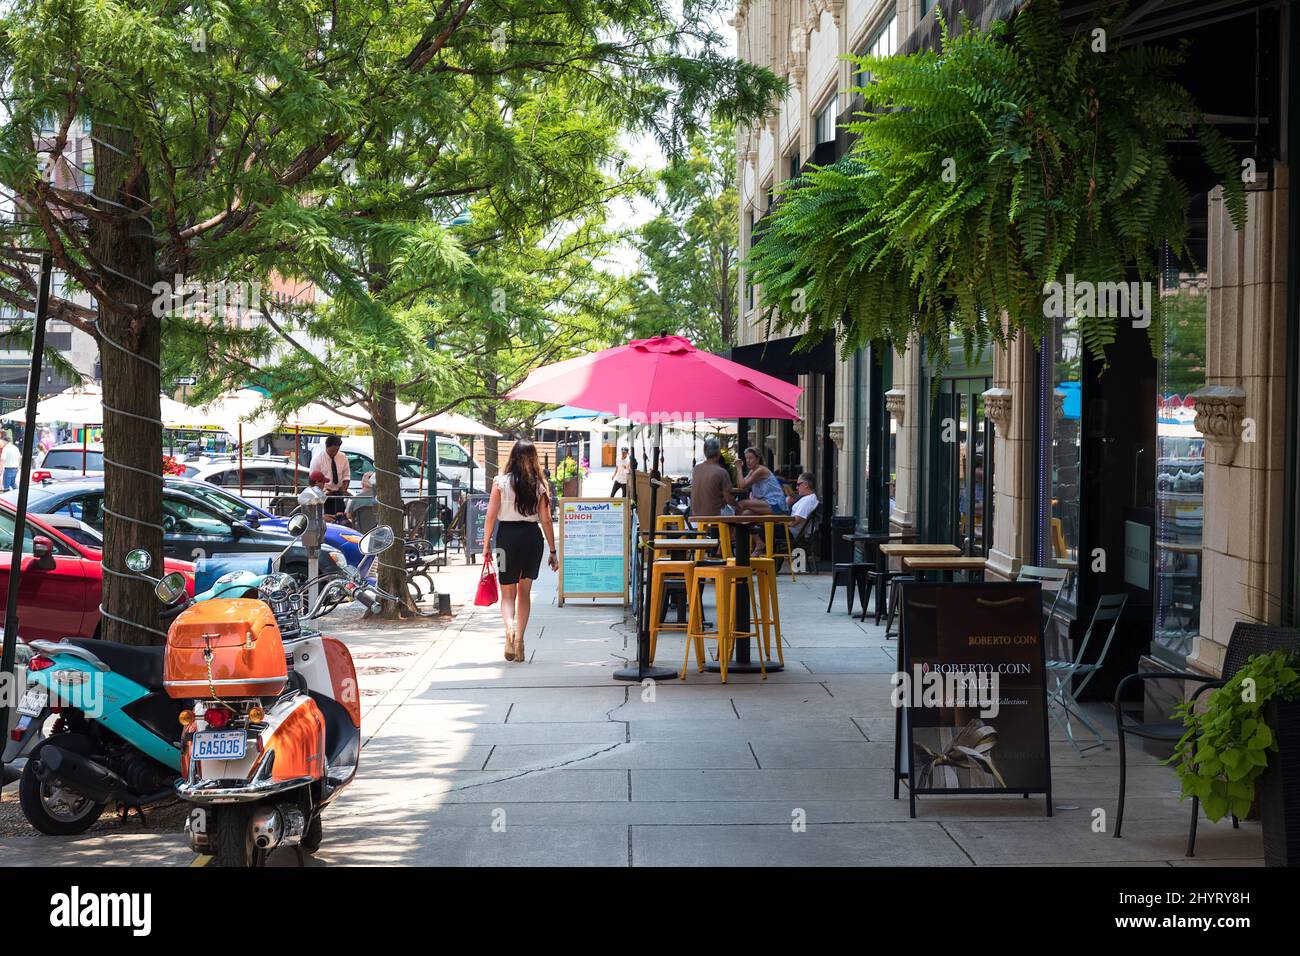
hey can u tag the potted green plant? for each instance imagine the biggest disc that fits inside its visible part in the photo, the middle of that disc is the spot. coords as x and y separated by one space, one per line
1245 744
569 475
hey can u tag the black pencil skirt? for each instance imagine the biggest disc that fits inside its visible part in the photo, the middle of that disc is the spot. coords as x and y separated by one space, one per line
521 544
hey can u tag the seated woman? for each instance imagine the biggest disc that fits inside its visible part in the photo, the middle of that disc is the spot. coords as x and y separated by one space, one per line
766 497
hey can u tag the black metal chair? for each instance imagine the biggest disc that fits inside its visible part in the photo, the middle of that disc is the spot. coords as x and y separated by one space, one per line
852 576
1247 641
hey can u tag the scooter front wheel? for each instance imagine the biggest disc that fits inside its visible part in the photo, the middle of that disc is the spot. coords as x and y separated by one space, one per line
232 841
52 809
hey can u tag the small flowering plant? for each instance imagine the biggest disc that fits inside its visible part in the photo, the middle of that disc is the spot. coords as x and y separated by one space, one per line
170 466
569 468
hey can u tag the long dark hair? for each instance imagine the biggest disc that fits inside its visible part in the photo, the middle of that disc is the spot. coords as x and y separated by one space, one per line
525 473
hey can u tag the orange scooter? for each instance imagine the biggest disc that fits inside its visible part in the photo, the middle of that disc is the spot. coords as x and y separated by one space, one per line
274 732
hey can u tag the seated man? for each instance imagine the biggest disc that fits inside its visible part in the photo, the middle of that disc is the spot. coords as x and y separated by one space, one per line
802 503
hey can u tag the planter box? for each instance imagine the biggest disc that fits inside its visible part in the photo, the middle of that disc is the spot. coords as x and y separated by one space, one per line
572 488
1278 791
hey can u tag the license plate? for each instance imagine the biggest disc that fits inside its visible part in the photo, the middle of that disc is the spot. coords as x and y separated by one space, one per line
33 702
219 745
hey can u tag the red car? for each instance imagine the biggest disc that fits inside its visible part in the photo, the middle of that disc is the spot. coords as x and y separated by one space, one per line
59 592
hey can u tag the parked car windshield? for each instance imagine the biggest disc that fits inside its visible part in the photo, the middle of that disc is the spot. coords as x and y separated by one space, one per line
68 458
227 505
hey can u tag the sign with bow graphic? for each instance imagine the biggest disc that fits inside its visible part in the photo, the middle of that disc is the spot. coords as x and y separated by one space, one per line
955 638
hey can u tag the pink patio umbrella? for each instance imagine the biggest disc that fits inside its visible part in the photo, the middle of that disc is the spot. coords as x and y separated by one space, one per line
661 379
664 379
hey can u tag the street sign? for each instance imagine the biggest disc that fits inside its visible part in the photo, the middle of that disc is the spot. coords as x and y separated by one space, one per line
187 380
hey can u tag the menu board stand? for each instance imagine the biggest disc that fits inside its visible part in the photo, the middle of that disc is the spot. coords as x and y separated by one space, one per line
476 507
948 737
594 548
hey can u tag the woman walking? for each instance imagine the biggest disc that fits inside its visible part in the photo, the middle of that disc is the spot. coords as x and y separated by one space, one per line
520 503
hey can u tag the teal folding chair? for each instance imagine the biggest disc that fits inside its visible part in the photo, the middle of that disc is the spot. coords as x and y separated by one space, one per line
1065 695
1052 580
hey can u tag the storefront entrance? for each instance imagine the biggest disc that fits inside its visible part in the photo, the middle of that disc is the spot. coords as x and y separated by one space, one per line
959 502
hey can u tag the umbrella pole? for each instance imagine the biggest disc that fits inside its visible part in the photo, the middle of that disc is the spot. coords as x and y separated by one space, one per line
85 430
241 459
9 644
644 670
297 455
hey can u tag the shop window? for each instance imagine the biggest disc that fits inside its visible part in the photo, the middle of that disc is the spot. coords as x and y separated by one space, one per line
1180 459
1060 533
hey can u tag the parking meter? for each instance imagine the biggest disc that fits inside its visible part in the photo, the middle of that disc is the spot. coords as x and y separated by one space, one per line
311 504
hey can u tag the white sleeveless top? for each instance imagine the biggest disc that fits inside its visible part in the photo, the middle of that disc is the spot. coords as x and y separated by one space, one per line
508 510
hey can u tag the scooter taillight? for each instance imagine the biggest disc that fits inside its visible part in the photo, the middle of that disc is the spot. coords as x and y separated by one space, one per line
39 663
218 717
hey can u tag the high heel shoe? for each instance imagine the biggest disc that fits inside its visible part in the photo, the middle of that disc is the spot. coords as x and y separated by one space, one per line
519 649
510 644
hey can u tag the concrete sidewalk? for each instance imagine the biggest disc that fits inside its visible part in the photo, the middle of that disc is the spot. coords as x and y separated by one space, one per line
470 760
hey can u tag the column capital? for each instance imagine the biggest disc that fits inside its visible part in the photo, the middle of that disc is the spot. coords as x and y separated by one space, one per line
1218 418
997 406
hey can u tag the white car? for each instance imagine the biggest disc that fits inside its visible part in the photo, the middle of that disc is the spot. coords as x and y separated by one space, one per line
415 478
68 461
264 478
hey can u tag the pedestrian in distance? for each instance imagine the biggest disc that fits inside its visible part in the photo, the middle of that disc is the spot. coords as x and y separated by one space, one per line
622 476
11 459
334 465
519 511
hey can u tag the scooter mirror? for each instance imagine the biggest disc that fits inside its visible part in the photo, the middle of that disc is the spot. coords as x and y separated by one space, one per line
377 539
297 525
171 587
139 561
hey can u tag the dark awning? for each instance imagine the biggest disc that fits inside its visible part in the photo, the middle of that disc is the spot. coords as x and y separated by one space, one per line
778 357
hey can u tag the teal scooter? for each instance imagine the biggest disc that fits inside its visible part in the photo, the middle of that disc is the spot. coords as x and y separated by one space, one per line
115 738
116 734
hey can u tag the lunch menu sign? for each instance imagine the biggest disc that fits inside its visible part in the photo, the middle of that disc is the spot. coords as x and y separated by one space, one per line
971 690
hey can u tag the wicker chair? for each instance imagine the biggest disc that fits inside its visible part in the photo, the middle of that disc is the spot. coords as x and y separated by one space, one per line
1247 641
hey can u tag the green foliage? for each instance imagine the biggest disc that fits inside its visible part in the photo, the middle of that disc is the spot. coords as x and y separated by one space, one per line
567 469
1227 746
1003 162
689 250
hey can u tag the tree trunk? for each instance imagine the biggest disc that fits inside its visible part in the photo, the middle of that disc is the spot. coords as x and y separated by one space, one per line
490 443
129 350
388 500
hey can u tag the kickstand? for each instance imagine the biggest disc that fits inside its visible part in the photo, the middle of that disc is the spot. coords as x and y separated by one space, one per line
124 814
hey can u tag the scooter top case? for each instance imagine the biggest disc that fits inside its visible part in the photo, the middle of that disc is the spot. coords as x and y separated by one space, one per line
244 641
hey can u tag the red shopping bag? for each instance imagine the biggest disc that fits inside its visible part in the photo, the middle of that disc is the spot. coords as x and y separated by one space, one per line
487 592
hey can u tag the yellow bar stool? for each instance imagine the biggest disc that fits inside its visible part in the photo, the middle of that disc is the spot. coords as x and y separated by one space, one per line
664 572
769 605
769 542
721 531
725 577
670 523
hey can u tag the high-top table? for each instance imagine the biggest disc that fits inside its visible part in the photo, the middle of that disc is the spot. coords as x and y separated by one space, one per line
740 545
886 551
945 565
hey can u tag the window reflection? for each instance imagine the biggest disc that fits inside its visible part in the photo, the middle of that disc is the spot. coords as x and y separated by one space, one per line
1180 462
1061 531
